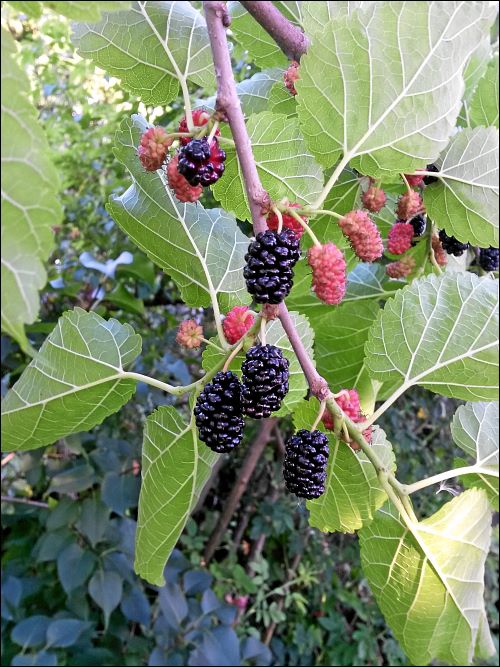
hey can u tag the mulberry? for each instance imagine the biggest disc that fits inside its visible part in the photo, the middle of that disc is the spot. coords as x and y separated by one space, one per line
419 224
201 163
430 179
288 221
218 413
182 190
290 77
438 250
304 467
189 334
363 235
409 205
236 323
488 259
400 238
265 380
348 401
269 265
153 148
200 118
451 245
414 180
401 268
328 273
374 199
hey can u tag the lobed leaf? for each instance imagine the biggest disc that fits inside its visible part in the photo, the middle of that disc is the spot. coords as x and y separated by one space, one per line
484 103
465 199
475 431
202 250
175 467
428 579
27 212
72 384
413 55
440 333
286 168
150 47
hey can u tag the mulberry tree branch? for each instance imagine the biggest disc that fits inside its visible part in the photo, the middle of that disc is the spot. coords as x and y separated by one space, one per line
228 106
287 36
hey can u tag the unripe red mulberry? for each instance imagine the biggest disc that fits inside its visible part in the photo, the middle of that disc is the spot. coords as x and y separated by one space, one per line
363 235
288 221
400 238
182 189
328 272
290 77
374 199
153 148
189 334
348 401
414 180
409 205
401 268
439 252
200 118
236 323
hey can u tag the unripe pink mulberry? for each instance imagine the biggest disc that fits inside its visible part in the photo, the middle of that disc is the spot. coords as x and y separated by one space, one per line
363 235
189 334
440 254
414 180
200 118
236 323
409 205
348 401
328 272
401 268
182 189
153 148
288 221
400 238
374 199
290 76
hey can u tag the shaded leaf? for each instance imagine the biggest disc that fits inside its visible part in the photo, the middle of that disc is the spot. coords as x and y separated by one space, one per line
105 588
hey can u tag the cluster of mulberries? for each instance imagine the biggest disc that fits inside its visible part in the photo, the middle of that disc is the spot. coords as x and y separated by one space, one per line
329 276
400 238
265 374
363 235
488 259
197 164
304 466
451 245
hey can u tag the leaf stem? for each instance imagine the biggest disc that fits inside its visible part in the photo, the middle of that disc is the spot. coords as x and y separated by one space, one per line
331 181
408 489
321 409
278 214
304 225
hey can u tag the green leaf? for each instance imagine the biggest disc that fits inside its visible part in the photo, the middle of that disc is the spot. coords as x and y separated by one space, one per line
340 336
407 123
30 631
285 166
254 93
65 632
93 520
31 9
120 492
465 199
275 335
483 108
280 99
439 333
253 38
106 588
315 15
122 298
201 249
150 47
82 476
74 566
428 579
27 212
175 467
475 431
352 490
86 11
74 382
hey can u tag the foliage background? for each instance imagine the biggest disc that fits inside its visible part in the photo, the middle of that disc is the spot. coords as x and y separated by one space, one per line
72 568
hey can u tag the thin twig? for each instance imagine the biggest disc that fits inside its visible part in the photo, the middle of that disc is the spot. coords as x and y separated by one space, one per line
23 501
